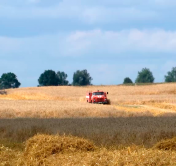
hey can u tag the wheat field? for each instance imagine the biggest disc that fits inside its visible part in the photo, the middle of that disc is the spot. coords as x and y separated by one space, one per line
123 133
67 101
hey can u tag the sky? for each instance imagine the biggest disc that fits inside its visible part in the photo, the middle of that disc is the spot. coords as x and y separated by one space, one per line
112 39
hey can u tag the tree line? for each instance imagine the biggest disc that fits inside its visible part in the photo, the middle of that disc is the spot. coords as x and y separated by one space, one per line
146 76
80 78
51 78
48 78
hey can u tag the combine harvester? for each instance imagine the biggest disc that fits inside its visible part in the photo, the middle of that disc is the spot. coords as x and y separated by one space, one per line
97 97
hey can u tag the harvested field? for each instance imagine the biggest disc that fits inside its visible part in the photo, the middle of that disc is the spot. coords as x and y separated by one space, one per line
138 127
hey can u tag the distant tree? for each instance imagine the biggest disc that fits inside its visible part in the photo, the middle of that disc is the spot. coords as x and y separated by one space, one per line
127 80
171 75
48 78
9 80
81 78
62 78
145 76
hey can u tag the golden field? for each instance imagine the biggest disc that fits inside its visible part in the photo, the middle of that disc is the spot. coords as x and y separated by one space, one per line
65 102
125 132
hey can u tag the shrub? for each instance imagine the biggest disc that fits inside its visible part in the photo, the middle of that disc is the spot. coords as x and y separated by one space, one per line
127 80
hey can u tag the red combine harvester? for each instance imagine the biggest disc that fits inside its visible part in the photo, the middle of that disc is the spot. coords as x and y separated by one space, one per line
98 97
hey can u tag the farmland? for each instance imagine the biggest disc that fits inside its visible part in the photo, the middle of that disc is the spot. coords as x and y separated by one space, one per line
123 132
68 102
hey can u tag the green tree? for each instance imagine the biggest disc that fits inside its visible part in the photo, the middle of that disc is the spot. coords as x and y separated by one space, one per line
48 78
62 78
9 80
127 80
171 75
145 76
81 78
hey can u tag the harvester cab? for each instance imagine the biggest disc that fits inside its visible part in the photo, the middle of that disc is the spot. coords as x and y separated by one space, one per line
97 97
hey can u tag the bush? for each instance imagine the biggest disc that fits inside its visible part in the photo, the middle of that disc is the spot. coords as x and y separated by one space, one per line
127 80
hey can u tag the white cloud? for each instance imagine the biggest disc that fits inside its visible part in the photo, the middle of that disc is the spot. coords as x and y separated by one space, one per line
129 40
83 42
86 42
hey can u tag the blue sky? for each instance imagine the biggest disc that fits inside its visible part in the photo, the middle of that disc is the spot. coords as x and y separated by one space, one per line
112 39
